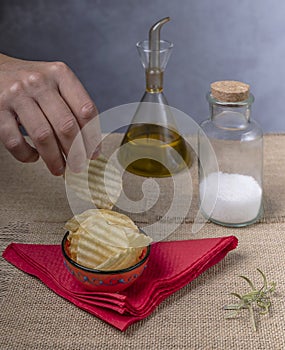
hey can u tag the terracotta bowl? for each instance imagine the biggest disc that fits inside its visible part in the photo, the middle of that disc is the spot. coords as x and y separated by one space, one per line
104 281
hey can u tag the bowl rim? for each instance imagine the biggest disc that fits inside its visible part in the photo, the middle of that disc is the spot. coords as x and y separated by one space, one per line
102 272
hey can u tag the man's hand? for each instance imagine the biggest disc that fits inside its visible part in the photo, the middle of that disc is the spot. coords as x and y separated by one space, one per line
52 105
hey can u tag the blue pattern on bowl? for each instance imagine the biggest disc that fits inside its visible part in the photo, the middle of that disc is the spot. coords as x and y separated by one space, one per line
97 282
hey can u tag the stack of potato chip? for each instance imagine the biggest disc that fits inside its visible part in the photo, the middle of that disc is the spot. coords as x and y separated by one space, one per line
105 240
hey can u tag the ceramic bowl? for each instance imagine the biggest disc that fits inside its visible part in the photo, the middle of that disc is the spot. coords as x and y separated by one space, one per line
104 281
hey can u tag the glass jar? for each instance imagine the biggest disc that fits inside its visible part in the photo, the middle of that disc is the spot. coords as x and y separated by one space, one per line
152 144
231 196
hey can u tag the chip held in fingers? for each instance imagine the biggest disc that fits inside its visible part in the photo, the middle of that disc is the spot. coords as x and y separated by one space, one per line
99 183
105 240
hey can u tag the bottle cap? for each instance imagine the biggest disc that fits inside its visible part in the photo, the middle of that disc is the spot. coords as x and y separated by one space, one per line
230 91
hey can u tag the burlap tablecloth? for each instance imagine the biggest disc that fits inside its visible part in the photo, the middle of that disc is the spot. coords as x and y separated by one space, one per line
33 209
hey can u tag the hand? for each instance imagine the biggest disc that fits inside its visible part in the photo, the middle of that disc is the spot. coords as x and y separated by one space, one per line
52 105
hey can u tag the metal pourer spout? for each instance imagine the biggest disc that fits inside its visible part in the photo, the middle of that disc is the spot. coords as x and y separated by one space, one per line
154 72
154 43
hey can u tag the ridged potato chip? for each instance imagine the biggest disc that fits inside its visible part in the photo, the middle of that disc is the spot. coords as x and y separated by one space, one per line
74 223
105 240
99 183
121 260
92 252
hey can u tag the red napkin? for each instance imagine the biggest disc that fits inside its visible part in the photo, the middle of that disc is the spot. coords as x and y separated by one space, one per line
171 266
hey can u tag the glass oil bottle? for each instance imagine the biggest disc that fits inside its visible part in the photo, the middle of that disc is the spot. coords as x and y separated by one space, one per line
152 145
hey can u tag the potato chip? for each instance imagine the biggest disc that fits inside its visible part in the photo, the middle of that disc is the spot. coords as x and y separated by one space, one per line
104 239
121 260
99 183
74 223
91 252
73 239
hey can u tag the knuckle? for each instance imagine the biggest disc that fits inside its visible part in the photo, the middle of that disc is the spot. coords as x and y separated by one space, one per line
67 125
16 88
42 135
11 94
88 110
13 144
34 80
58 67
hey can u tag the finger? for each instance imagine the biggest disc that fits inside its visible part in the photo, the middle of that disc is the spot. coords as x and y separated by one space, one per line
41 133
91 134
14 141
80 104
65 127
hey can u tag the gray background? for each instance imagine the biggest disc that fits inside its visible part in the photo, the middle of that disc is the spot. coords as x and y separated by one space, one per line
213 40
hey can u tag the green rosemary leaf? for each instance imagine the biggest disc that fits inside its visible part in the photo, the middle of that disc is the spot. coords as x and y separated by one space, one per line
232 315
272 288
248 281
264 278
232 307
237 295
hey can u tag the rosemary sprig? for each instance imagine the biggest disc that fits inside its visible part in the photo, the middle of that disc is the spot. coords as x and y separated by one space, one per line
256 297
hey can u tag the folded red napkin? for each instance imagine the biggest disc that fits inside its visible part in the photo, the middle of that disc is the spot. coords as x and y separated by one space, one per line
171 266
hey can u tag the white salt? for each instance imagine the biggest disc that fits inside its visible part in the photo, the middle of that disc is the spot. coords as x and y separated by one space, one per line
230 198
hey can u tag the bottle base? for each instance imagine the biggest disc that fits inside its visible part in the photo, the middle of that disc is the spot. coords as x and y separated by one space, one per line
235 225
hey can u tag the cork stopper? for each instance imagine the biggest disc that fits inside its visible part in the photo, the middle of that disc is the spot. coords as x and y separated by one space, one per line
230 91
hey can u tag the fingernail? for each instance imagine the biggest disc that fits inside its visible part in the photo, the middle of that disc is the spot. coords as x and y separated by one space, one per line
59 171
96 153
78 168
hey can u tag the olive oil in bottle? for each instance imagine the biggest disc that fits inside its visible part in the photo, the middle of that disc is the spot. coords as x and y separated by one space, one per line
157 150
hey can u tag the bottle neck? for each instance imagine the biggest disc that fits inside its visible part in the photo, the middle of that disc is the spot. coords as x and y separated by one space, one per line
230 115
154 80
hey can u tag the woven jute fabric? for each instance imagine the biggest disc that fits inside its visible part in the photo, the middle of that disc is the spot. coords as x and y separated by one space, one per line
34 208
